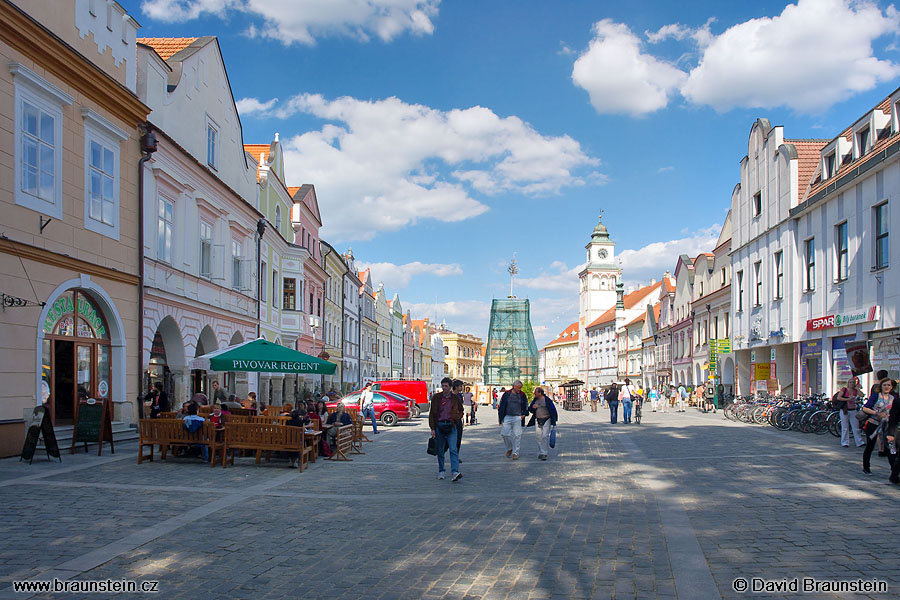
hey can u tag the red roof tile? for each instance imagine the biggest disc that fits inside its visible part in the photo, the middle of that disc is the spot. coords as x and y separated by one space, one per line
167 47
853 164
630 301
809 154
567 336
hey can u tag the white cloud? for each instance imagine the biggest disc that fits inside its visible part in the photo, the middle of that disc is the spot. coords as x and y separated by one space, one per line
549 316
814 54
701 35
398 276
620 77
558 277
382 165
463 316
248 106
665 169
652 260
304 21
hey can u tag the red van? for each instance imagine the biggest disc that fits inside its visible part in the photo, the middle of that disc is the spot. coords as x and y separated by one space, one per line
416 390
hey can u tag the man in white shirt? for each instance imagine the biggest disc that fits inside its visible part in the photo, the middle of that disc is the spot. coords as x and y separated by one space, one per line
367 405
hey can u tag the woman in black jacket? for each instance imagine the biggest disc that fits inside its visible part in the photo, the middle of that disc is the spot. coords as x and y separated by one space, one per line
612 398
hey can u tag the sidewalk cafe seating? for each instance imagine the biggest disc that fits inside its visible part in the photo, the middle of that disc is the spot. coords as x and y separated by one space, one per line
265 438
342 443
171 433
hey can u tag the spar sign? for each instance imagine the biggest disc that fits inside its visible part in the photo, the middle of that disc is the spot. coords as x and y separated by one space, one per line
848 318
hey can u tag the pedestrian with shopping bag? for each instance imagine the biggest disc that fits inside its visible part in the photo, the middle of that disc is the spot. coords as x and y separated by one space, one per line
511 413
544 416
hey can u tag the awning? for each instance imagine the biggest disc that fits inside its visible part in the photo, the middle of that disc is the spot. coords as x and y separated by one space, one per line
264 357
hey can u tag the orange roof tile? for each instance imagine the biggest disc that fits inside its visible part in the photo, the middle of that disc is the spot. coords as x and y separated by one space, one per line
567 336
638 319
167 47
809 153
293 190
818 183
255 150
630 301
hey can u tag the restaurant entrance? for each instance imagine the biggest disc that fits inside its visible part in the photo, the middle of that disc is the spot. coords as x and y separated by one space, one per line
76 355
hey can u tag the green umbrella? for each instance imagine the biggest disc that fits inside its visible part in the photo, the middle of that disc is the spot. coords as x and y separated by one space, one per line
264 357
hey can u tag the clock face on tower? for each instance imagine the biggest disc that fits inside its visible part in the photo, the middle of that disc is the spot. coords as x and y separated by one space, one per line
602 253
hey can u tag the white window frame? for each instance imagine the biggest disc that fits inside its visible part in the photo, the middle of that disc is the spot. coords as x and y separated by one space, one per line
778 274
886 259
37 91
97 129
757 283
809 264
840 250
209 243
263 270
171 258
236 265
212 161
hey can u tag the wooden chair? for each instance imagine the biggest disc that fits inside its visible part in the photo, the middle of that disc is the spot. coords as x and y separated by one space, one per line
343 440
169 414
357 438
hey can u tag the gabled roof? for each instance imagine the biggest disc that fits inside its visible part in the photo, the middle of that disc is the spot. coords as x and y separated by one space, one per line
631 301
167 47
567 336
306 193
254 150
639 319
808 156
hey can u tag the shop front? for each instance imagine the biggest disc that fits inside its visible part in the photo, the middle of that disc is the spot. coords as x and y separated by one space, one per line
811 367
829 355
80 350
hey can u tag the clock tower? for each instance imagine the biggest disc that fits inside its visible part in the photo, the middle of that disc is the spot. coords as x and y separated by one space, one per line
597 281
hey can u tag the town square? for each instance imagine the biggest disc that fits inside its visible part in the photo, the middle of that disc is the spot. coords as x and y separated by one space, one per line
449 299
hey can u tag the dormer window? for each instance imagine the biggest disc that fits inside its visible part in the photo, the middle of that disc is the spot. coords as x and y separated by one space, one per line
862 141
829 166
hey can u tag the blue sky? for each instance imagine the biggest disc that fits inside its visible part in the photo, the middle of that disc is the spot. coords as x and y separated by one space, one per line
444 136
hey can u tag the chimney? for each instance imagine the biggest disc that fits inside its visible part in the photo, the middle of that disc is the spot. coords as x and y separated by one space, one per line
652 282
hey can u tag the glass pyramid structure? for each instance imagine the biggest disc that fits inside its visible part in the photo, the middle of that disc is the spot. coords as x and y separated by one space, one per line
511 350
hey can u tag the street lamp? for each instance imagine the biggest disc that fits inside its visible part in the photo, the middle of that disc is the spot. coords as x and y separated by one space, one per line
314 324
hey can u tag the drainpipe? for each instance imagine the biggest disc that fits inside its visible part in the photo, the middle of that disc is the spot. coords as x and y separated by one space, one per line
260 230
148 147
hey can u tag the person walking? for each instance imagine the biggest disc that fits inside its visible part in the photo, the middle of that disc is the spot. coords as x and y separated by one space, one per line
457 387
845 402
892 434
878 407
682 398
494 397
367 405
544 415
594 399
467 404
709 398
445 413
612 399
511 414
653 396
673 398
625 397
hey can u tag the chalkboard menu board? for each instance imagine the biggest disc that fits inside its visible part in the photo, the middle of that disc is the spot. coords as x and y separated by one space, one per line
39 426
93 425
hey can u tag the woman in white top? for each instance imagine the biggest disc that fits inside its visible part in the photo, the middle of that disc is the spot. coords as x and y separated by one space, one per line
845 401
625 397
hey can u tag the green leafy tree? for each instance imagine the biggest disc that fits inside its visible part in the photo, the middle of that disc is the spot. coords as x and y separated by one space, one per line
528 388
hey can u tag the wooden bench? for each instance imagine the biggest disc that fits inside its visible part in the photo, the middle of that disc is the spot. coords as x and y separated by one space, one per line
167 433
342 443
265 438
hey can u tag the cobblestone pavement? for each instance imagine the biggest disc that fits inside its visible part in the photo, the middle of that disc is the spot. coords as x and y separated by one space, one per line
677 507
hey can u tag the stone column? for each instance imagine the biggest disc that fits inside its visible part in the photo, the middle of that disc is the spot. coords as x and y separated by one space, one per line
262 392
181 388
277 390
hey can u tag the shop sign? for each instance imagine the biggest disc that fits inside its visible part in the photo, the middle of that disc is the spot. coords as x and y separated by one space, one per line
771 354
762 371
848 318
62 306
810 349
90 315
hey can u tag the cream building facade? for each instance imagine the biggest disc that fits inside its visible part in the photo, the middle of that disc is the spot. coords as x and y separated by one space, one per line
70 266
462 355
561 357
